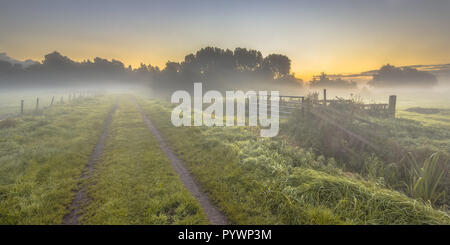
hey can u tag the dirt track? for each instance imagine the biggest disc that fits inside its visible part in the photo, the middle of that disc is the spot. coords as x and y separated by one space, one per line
214 216
72 218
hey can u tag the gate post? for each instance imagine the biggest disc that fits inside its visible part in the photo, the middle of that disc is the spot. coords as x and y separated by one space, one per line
392 104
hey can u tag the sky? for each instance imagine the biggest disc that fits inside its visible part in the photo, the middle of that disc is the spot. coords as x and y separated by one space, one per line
334 36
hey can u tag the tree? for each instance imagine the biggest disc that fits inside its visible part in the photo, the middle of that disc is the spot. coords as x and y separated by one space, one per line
249 60
277 65
172 67
56 60
391 76
5 66
325 82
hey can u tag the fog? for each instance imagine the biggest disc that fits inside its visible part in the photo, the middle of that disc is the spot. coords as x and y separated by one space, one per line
222 70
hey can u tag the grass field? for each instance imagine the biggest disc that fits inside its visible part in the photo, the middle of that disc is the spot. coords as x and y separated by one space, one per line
251 180
134 182
267 181
441 119
399 153
41 159
10 102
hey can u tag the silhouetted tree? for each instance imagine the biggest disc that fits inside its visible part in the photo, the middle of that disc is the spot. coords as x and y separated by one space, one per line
323 81
216 68
5 66
250 60
57 61
278 65
391 76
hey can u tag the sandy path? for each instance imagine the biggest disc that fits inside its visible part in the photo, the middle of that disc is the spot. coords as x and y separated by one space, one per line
214 216
72 218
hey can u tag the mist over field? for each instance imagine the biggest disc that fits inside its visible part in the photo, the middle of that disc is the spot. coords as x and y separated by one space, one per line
222 69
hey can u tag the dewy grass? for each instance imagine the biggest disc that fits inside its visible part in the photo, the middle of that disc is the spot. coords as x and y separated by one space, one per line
266 181
134 182
441 119
380 156
10 102
42 157
252 180
424 178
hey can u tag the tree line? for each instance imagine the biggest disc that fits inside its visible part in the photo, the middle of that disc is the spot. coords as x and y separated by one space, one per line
215 67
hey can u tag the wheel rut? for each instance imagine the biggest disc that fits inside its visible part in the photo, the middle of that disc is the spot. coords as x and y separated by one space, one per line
75 208
214 216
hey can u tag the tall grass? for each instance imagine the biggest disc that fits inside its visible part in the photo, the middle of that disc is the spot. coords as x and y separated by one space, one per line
375 148
269 181
424 179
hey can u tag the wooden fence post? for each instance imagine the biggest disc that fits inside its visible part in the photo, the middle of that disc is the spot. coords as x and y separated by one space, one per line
21 107
62 99
392 104
303 105
37 104
325 97
53 98
308 106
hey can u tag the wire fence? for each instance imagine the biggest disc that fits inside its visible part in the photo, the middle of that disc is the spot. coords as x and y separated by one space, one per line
12 105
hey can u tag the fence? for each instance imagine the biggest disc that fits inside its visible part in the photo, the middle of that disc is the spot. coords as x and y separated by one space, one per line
36 105
336 110
289 104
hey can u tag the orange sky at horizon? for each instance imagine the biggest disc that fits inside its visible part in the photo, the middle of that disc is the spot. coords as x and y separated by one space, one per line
304 71
335 37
